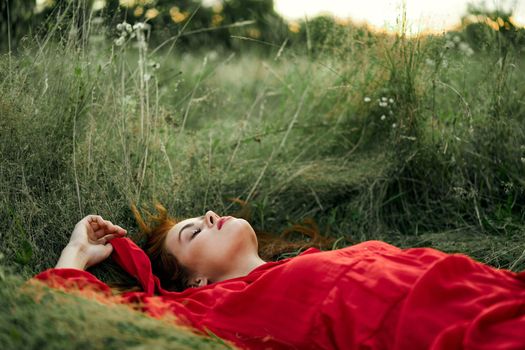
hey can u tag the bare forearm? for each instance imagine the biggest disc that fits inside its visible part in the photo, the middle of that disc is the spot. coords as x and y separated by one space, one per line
73 256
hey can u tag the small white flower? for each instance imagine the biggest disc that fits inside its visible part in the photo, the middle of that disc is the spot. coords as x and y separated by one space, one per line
367 99
394 126
463 46
129 28
523 160
383 104
384 99
467 50
383 117
120 26
391 100
120 41
138 26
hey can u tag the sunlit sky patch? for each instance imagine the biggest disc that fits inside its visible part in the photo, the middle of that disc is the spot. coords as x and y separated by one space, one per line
422 15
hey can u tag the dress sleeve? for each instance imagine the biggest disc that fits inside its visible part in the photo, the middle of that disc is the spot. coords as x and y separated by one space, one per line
72 279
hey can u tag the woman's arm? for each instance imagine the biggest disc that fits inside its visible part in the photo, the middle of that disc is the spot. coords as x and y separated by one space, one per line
88 244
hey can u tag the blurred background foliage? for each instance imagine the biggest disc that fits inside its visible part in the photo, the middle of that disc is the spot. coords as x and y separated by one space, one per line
223 23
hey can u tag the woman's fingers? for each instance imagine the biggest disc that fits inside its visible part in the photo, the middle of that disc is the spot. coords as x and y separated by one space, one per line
107 238
107 228
120 230
101 228
96 222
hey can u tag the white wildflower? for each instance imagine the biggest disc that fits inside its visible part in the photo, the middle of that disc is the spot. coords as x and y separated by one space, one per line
394 126
467 50
120 26
120 41
383 117
383 104
523 160
138 26
391 100
367 99
129 28
384 99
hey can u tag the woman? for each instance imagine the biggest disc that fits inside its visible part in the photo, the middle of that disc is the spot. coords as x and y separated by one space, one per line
370 295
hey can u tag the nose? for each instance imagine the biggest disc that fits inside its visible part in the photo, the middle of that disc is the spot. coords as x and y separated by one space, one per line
211 218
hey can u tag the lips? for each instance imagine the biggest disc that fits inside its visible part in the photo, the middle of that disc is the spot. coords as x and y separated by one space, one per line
222 221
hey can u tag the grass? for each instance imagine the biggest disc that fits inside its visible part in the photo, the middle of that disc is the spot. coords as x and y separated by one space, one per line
39 318
93 128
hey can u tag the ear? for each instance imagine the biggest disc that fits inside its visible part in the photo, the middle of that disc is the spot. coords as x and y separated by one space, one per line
198 281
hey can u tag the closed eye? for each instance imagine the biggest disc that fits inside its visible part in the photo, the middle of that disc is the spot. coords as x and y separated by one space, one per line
195 233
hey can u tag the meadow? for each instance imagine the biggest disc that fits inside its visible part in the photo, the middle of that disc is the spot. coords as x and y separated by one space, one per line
417 141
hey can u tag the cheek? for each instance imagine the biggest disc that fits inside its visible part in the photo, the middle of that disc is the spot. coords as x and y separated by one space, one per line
216 249
235 237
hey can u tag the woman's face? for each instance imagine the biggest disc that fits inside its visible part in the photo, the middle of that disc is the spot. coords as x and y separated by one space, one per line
211 245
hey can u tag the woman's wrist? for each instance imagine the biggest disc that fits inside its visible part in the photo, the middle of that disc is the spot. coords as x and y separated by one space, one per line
73 256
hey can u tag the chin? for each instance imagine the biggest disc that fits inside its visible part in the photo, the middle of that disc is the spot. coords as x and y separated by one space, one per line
243 229
240 225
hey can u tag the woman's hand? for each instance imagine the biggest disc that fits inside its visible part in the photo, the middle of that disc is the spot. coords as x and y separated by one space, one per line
88 244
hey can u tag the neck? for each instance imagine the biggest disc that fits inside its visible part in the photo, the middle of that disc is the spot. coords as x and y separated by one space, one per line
245 267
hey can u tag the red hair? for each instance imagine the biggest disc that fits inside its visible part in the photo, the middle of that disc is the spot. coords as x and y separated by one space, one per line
173 276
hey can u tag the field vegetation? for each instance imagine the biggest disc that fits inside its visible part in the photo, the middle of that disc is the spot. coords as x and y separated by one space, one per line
417 141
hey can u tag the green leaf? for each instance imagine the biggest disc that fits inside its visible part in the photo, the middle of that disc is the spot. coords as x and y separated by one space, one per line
24 255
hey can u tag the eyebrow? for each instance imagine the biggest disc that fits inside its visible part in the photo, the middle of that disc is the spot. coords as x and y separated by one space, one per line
189 225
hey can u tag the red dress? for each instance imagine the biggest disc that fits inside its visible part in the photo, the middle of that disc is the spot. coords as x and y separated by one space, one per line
368 296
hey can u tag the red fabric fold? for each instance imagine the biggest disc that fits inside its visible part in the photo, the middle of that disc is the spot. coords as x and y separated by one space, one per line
67 279
371 295
135 262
